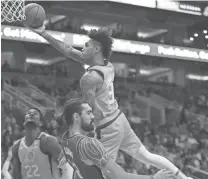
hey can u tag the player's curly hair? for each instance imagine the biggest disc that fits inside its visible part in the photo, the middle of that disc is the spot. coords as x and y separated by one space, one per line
104 38
72 106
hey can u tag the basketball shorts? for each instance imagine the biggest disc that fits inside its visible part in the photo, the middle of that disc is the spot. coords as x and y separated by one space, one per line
119 136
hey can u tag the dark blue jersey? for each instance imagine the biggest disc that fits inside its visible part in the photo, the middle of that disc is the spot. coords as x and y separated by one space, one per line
72 156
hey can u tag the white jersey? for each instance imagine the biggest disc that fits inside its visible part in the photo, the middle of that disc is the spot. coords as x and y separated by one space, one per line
34 163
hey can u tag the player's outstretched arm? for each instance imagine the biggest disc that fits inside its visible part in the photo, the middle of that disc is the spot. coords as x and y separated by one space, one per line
66 49
159 162
92 152
16 162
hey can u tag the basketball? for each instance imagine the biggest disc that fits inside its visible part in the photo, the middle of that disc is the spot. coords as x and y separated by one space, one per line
35 15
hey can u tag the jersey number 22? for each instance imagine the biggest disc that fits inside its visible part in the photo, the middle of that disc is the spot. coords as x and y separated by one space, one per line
32 171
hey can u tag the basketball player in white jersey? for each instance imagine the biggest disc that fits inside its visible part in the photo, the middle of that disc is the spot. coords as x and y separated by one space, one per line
35 156
97 89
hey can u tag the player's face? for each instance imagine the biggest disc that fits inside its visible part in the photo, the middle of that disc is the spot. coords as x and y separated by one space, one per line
32 117
89 50
86 118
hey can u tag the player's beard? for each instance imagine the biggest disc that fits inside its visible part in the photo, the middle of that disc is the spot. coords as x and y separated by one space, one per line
87 127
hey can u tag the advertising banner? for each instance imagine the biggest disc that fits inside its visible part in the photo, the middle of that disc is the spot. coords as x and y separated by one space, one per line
120 45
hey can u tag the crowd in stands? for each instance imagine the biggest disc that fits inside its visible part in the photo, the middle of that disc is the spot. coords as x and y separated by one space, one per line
182 139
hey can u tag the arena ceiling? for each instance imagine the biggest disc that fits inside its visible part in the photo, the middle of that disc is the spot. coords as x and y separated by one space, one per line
148 23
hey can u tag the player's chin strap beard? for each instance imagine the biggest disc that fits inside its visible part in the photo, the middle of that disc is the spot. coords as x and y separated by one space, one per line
92 133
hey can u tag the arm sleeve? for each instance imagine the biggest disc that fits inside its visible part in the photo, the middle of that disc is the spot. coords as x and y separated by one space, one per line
16 162
92 152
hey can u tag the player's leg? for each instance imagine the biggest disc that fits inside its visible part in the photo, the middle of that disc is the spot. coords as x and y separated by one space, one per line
111 137
131 143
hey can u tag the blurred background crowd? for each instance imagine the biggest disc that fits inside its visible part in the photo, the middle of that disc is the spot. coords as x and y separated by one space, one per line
165 98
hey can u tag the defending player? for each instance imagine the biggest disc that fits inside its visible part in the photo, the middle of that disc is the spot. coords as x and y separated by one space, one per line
35 156
97 89
87 155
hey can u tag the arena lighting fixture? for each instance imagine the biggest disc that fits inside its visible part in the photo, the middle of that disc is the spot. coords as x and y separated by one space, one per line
197 77
196 35
206 36
88 27
149 32
144 72
205 31
36 61
191 38
45 62
142 34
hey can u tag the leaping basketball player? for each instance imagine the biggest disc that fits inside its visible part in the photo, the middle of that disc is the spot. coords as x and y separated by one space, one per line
35 156
97 89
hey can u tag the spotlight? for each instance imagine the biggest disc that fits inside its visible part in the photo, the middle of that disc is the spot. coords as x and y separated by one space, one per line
196 35
191 38
205 31
206 36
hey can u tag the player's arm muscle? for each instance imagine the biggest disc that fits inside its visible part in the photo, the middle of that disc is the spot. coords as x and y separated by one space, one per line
51 146
93 82
16 163
67 50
